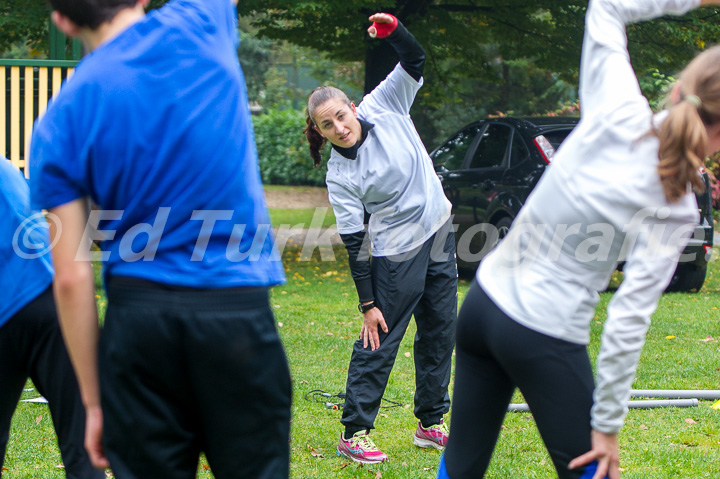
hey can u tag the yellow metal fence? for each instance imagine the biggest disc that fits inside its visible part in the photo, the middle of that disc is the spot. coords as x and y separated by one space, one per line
27 85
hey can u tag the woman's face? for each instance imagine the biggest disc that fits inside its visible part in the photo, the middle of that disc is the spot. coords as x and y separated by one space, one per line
338 123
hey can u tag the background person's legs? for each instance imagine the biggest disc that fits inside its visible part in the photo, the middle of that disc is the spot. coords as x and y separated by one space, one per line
480 398
436 318
556 380
554 376
13 374
31 345
52 373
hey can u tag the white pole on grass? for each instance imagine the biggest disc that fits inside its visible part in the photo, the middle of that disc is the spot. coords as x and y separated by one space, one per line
675 393
643 404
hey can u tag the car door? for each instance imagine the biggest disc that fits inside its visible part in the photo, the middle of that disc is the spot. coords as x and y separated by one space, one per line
478 184
449 159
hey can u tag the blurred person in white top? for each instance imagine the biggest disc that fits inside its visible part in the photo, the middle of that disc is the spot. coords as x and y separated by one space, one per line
620 189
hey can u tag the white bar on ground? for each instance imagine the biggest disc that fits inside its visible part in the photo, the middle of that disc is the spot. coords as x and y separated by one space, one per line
675 393
646 404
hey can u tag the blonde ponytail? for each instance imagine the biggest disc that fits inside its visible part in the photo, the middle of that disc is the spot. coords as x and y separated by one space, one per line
683 135
683 141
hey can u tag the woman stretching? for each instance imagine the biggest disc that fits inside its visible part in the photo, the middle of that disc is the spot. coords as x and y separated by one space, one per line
619 188
379 164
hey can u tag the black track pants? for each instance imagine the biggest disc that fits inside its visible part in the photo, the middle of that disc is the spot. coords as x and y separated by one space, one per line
494 356
188 371
31 345
422 283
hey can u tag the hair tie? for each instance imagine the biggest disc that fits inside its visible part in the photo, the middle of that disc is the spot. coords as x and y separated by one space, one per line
693 100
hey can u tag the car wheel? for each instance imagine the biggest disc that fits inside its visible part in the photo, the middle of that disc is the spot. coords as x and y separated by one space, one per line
687 278
503 226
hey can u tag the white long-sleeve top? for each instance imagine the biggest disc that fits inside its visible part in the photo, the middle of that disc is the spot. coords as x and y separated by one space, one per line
599 203
393 177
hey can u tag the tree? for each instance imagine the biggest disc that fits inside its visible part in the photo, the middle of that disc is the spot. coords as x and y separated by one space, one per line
549 33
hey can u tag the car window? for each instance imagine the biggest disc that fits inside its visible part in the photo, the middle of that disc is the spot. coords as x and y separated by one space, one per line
519 151
492 148
452 153
556 137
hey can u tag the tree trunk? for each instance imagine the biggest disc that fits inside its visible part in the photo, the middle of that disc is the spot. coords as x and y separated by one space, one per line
380 59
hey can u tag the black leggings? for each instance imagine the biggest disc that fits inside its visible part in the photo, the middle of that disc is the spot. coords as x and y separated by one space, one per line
31 345
495 354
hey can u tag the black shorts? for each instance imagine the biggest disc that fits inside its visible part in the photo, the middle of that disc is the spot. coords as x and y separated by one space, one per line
184 371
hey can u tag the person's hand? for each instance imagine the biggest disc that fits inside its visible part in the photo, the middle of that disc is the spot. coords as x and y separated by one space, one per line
369 331
93 437
605 452
383 25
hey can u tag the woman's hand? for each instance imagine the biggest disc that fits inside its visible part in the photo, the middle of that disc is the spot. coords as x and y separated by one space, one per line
605 452
369 331
383 25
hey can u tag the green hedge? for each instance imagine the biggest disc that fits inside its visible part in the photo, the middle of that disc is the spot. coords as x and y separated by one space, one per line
283 150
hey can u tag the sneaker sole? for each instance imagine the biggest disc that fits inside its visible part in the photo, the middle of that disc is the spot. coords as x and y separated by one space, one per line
357 459
427 443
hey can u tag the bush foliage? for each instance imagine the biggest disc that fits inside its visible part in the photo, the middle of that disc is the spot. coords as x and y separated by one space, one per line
283 149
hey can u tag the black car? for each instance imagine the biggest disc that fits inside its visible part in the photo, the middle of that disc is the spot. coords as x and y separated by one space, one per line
489 168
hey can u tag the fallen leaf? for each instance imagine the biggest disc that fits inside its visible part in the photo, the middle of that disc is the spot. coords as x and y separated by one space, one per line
427 468
280 325
344 465
38 419
206 467
59 466
314 453
708 338
384 415
407 355
542 463
689 421
378 475
330 334
404 464
644 427
503 427
670 337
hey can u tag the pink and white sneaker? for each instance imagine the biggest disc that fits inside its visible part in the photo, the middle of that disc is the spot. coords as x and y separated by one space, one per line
436 436
360 448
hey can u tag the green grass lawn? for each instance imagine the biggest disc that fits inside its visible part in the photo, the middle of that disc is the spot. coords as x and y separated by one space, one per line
318 320
321 217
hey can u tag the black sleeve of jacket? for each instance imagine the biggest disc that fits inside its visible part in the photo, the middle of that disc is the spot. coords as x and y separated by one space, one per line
412 55
358 249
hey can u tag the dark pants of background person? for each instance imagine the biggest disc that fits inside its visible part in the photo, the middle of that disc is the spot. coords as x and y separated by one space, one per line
31 345
184 371
422 283
495 354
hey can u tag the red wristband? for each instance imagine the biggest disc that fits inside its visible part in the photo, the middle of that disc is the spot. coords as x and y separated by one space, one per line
385 29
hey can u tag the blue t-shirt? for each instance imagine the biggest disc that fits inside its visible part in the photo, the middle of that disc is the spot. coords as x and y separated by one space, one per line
25 265
154 126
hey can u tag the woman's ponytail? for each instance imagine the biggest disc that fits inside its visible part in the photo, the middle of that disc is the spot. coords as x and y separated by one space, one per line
683 134
683 142
316 141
